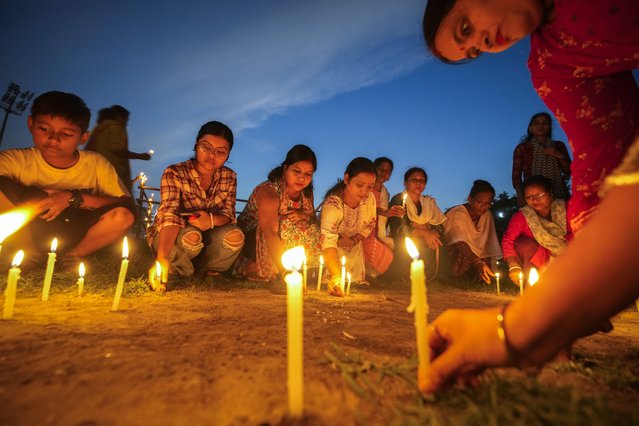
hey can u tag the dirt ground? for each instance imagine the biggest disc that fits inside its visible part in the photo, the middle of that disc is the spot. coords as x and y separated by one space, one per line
211 356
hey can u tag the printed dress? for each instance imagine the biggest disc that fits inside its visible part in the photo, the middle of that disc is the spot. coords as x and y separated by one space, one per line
581 66
340 219
292 234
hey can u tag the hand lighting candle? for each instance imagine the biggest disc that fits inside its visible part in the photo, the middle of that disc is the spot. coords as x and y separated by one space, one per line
123 267
12 286
48 275
292 260
319 273
81 279
420 306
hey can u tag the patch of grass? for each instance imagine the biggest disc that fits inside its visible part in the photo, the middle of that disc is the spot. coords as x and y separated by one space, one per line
497 400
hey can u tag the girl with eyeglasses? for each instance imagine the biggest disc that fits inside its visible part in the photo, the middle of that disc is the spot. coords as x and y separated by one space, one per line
537 231
194 228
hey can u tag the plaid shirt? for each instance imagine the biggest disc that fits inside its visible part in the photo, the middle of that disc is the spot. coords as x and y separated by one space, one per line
181 192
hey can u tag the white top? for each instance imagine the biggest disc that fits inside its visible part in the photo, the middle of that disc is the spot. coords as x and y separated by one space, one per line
482 239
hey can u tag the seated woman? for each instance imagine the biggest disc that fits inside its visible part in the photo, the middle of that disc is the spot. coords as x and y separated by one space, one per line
377 258
537 232
280 215
423 222
195 222
348 216
469 234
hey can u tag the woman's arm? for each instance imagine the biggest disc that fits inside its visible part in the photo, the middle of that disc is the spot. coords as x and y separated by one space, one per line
268 220
594 278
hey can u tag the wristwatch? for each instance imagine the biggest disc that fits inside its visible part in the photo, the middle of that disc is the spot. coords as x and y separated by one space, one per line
76 199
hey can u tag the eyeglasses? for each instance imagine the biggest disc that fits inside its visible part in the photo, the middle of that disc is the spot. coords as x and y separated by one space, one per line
208 149
535 196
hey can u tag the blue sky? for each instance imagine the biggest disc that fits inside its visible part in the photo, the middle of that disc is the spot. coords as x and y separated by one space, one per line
348 78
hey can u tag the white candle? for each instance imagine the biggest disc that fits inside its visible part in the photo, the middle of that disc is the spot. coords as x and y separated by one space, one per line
304 273
291 260
533 277
81 279
342 282
420 304
12 286
497 275
521 283
48 274
348 288
123 267
319 273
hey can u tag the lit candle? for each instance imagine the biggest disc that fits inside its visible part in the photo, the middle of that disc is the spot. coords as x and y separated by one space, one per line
348 288
342 281
533 277
48 274
81 279
420 305
497 275
12 285
521 283
291 260
123 267
304 272
151 152
319 273
404 200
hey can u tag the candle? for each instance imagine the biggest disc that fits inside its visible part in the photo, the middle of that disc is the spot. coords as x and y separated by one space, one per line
533 277
404 200
319 273
48 275
348 288
497 275
304 273
342 281
81 279
291 260
12 285
521 283
123 267
151 152
420 305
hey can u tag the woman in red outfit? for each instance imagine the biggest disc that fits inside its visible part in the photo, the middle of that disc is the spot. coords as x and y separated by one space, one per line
537 232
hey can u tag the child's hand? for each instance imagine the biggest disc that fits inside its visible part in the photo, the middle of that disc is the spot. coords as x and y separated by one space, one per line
50 207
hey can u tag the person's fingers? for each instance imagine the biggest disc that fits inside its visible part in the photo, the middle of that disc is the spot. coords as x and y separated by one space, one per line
442 370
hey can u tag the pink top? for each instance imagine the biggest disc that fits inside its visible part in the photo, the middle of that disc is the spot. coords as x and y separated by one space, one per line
581 66
518 227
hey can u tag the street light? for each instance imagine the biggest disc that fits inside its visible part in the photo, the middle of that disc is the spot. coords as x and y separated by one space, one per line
14 101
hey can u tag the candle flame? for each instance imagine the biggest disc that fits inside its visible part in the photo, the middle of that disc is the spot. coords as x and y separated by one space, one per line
158 270
497 274
54 245
17 260
343 260
125 249
533 277
521 276
293 258
151 152
411 248
321 259
404 197
81 270
11 221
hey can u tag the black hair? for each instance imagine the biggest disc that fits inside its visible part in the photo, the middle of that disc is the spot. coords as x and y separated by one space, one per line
436 11
61 104
379 160
215 128
537 180
415 170
480 186
529 134
297 153
119 111
355 167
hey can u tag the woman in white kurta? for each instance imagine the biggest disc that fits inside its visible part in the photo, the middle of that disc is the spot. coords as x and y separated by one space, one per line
349 213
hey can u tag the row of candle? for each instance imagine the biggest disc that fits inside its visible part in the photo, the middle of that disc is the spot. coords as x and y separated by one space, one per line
14 276
533 277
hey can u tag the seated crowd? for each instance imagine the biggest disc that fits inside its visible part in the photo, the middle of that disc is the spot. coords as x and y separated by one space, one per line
77 195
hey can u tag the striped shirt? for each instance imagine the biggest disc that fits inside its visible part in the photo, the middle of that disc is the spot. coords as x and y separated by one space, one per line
181 192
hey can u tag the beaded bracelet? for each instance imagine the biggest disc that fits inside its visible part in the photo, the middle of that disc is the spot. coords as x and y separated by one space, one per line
515 356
